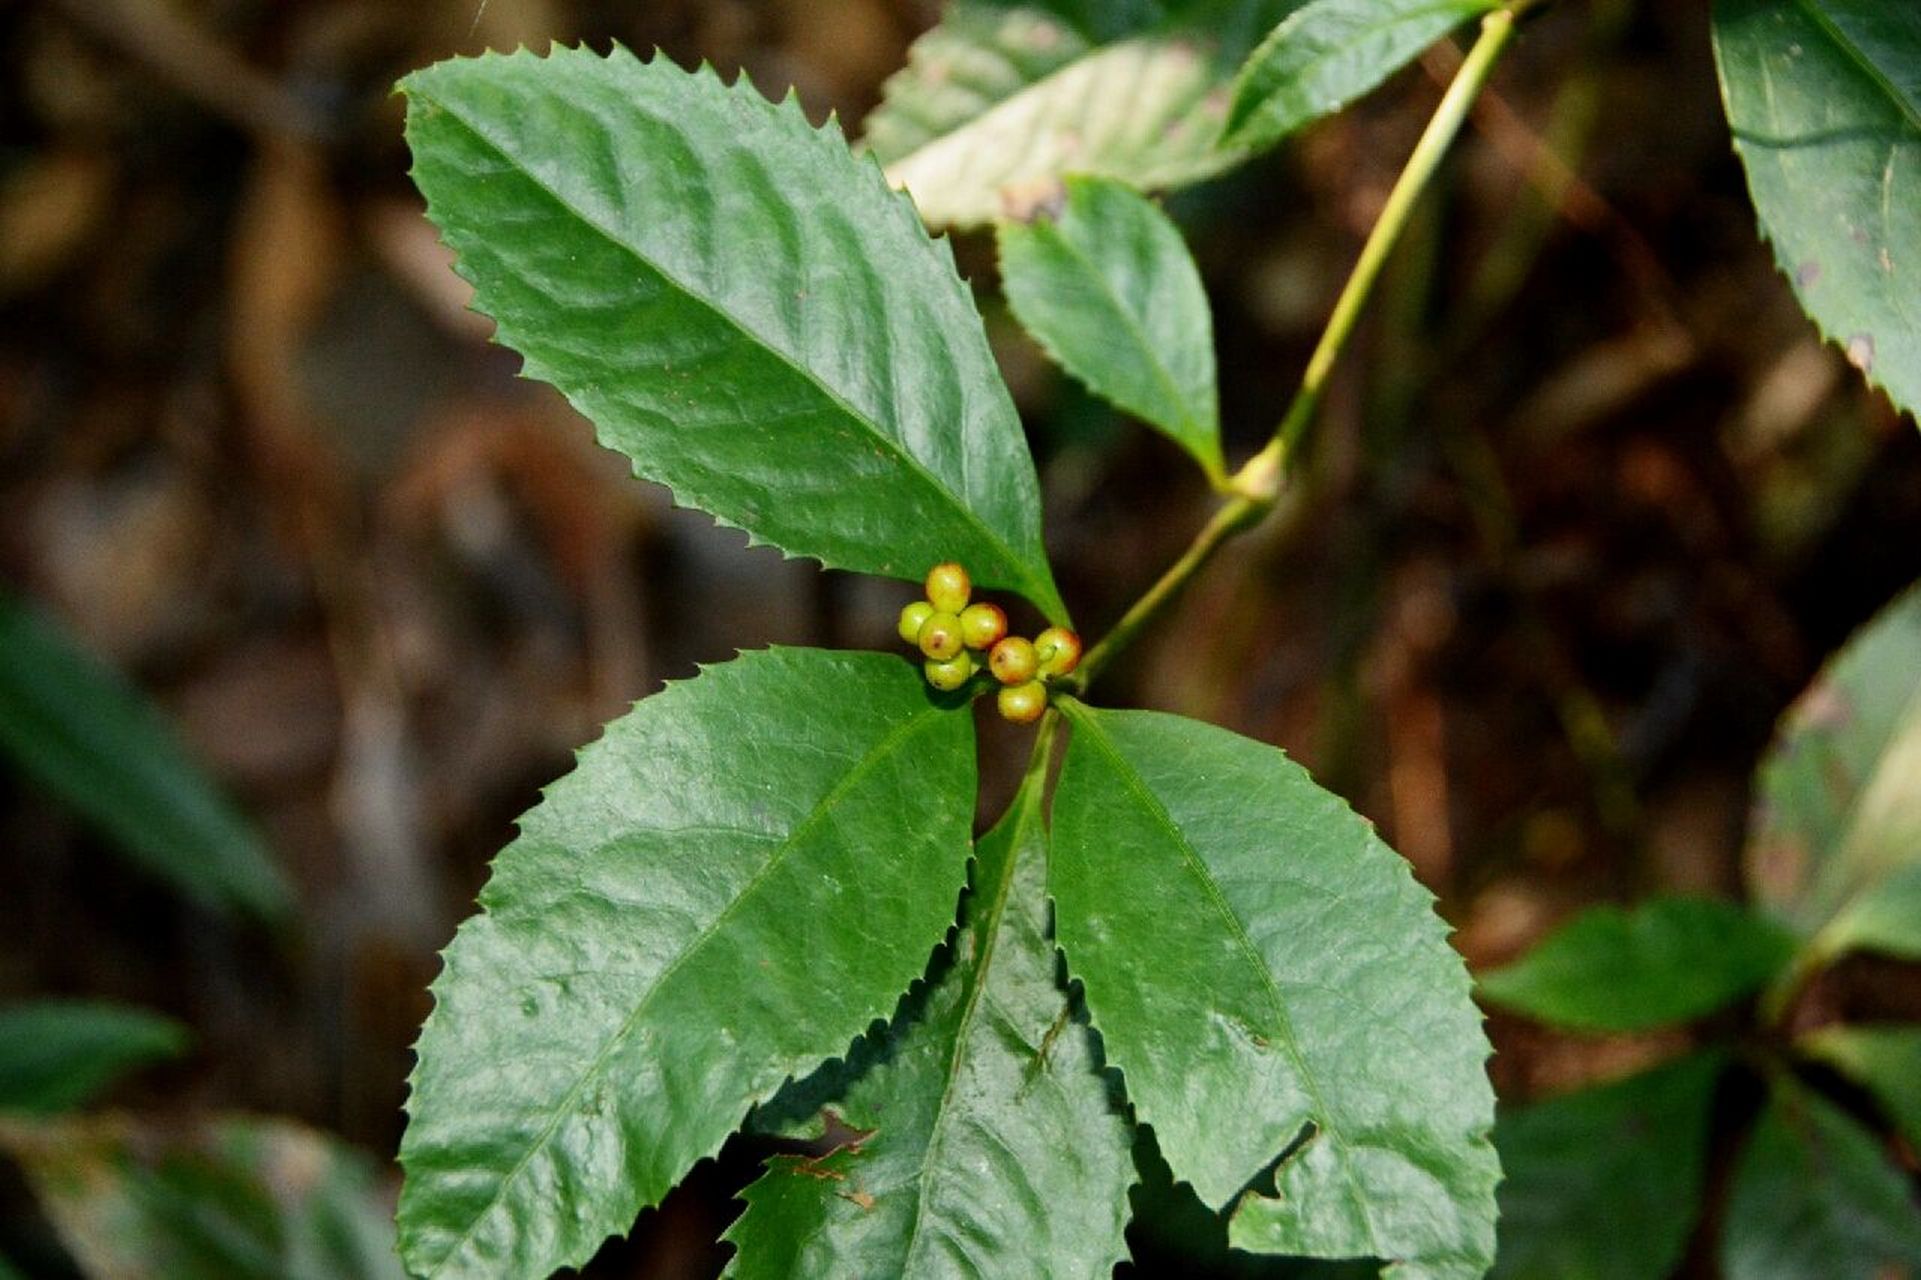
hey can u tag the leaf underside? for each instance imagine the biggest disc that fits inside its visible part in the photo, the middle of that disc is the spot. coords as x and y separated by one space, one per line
1836 813
1815 1194
737 303
1105 284
739 877
1606 1183
996 1149
236 1197
1824 100
81 730
999 102
1667 960
1330 53
1261 967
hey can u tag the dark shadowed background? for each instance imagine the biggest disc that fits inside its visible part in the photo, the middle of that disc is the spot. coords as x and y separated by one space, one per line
1589 504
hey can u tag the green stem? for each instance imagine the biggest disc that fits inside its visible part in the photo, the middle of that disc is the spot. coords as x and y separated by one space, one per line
1256 486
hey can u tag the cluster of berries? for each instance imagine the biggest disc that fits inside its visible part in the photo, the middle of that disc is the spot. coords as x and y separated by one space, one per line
950 632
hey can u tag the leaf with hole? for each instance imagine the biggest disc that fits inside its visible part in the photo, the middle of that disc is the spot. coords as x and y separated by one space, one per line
1105 284
1824 100
736 303
1272 983
995 1148
740 876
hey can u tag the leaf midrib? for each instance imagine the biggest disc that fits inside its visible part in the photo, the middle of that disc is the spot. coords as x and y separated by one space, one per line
1859 56
991 932
1192 430
1083 718
914 465
895 739
1238 122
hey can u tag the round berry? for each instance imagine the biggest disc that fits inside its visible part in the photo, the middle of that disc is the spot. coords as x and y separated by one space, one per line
940 636
952 673
910 619
1058 651
949 587
1012 661
982 625
1023 703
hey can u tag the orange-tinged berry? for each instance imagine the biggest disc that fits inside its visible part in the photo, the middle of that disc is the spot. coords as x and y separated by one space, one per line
1058 651
1023 703
911 618
949 587
1012 661
940 636
982 625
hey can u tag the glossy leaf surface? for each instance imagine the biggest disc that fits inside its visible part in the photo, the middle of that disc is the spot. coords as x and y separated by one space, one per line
737 303
59 1054
1262 970
999 102
1839 795
1887 1059
81 730
996 1149
1815 1194
1105 284
237 1198
1666 960
739 877
1606 1183
1824 99
1330 52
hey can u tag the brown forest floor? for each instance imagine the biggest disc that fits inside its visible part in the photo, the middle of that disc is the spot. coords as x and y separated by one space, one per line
1590 505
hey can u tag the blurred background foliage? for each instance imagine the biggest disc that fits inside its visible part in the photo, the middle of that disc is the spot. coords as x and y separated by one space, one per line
1589 505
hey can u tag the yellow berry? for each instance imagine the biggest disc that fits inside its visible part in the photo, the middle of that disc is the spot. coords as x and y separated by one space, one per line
940 636
952 673
982 625
949 587
1012 661
1058 651
910 619
1023 703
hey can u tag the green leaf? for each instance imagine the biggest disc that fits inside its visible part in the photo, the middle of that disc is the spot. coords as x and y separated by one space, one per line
1106 285
999 102
82 731
1329 53
238 1198
1606 1183
1883 917
1824 99
1668 960
1839 794
737 303
1885 1059
1265 972
995 1148
1816 1195
59 1054
741 876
